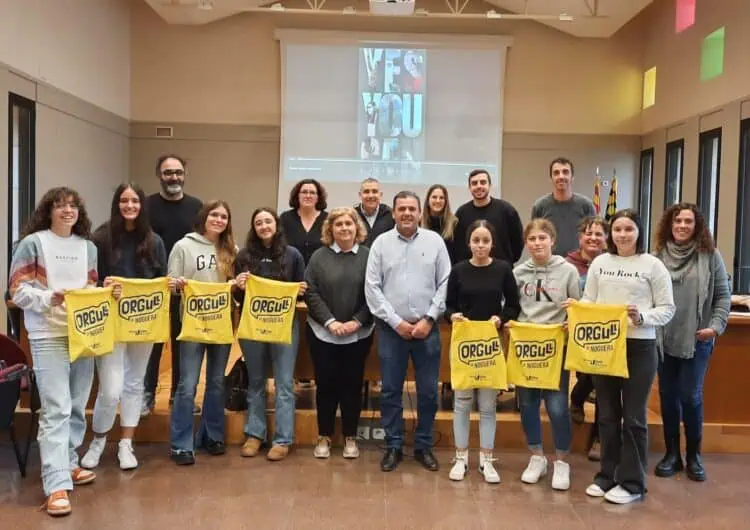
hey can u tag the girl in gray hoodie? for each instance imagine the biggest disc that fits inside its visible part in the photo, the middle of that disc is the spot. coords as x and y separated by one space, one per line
544 282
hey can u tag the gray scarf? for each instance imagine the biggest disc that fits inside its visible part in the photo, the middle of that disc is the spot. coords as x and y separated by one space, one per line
680 260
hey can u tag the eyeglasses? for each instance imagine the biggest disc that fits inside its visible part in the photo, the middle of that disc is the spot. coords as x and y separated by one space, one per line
62 205
173 172
308 192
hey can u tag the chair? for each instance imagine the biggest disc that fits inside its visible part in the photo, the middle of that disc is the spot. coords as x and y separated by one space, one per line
10 394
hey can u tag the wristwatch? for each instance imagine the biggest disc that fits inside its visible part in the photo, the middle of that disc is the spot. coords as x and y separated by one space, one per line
640 319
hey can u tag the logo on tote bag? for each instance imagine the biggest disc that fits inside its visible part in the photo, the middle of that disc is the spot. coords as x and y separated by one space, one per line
479 353
597 337
90 320
141 308
270 309
207 306
535 354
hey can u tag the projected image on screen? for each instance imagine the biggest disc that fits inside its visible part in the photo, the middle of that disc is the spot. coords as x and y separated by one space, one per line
391 118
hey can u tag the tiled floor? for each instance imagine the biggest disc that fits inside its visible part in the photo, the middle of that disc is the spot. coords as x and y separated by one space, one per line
230 492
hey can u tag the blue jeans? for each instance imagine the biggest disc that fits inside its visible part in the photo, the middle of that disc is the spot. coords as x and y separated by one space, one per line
212 416
282 358
556 404
464 399
681 391
64 389
394 353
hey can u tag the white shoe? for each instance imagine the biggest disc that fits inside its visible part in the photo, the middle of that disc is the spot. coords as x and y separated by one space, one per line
594 490
619 495
350 448
488 471
323 447
125 455
460 465
536 469
561 476
91 459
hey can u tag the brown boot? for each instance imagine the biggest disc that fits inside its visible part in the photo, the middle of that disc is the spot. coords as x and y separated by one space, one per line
251 447
278 452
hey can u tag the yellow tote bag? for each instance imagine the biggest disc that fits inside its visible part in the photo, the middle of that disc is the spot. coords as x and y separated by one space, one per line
91 326
535 358
477 359
268 310
597 341
142 311
207 313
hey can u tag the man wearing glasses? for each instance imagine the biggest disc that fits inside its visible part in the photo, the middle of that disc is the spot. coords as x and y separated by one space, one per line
172 214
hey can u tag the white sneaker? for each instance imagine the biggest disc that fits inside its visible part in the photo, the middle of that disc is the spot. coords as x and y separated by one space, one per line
594 490
125 455
619 495
561 476
323 447
350 448
536 469
488 471
460 465
91 459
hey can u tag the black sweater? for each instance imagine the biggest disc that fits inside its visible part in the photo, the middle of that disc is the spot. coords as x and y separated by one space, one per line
267 267
336 286
172 219
383 222
123 262
436 225
296 235
508 229
479 292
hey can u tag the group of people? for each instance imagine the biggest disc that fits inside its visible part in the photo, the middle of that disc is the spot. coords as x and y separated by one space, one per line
365 271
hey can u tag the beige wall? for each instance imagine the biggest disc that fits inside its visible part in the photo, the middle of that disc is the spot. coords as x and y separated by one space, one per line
686 106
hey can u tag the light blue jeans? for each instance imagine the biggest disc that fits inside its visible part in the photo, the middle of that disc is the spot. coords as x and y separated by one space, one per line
464 399
212 416
64 389
556 404
282 358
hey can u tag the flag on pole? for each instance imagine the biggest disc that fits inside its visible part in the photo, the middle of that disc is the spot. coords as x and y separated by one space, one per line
597 185
612 200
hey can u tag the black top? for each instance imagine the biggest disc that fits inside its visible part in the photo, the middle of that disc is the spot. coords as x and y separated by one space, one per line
436 225
383 222
481 292
296 235
293 267
508 229
172 219
336 286
123 260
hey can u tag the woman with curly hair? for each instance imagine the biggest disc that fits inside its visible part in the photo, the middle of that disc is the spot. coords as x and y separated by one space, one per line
303 222
54 256
267 254
206 255
702 296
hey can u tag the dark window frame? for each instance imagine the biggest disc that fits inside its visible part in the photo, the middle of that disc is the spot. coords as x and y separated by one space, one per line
646 155
14 100
743 189
706 138
671 146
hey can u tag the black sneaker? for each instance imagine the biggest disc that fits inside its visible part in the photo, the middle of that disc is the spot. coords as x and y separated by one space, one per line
214 448
182 458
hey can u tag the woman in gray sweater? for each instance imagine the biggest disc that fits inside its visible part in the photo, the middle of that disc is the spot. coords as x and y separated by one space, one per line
339 326
702 296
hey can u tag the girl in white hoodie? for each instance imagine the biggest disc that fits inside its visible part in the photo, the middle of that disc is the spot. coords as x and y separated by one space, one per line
545 282
206 255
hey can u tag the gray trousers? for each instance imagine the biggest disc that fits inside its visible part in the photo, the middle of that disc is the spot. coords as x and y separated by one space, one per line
623 429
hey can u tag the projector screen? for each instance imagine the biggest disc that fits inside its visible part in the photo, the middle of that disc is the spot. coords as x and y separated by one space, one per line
408 112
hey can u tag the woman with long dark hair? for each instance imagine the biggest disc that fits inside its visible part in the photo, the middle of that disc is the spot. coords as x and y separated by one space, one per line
128 248
438 216
206 255
702 297
626 275
52 257
267 254
302 224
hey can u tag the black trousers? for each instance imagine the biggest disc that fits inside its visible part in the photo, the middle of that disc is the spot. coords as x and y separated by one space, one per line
152 370
339 372
622 419
581 391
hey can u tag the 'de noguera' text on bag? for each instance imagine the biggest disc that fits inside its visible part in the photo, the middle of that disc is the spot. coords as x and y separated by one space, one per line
207 313
91 325
268 310
142 311
597 339
477 359
535 356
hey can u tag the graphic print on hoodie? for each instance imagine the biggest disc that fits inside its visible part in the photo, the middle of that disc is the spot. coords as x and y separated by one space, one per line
543 289
194 258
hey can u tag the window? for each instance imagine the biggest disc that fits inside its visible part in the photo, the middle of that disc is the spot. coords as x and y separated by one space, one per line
684 15
649 87
712 55
645 185
673 177
21 135
709 163
742 240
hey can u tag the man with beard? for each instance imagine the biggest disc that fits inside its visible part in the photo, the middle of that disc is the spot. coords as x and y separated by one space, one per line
562 207
500 214
172 214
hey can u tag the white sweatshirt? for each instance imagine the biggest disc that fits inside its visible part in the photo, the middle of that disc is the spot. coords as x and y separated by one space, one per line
642 280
